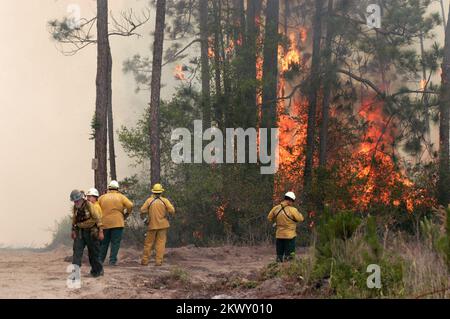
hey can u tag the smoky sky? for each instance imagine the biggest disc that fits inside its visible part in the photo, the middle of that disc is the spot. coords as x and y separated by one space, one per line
46 105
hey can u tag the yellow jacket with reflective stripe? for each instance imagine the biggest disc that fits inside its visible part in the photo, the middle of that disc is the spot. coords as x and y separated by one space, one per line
157 209
286 226
113 205
92 217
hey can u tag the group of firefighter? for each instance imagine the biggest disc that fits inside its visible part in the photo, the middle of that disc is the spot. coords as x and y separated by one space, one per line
98 223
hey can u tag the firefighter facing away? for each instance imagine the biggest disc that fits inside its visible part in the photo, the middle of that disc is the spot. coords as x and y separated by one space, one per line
156 210
115 207
285 218
87 230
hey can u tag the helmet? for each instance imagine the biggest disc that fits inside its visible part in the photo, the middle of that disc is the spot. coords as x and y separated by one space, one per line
290 195
157 189
76 195
113 185
93 192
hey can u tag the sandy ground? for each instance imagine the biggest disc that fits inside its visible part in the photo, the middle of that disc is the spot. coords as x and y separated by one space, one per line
188 272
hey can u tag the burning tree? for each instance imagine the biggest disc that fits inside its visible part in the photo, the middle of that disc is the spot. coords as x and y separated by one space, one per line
368 131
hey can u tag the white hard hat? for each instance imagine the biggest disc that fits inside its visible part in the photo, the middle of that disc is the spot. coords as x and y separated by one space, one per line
93 192
113 185
290 195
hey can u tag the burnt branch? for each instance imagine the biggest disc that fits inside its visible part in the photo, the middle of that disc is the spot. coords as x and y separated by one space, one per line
128 23
73 37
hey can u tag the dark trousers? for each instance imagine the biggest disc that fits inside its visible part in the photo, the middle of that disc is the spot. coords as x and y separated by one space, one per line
285 249
84 238
113 236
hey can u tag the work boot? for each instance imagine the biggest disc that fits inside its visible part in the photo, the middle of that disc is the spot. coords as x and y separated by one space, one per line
96 275
144 263
158 264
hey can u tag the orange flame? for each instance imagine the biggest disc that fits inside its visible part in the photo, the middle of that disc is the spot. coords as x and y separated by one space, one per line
292 119
368 170
220 213
179 73
423 84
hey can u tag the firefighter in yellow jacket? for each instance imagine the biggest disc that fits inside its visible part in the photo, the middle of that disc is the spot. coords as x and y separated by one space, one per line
156 209
92 196
115 207
87 230
285 218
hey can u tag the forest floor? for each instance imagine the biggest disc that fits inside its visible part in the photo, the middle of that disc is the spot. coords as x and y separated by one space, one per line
188 272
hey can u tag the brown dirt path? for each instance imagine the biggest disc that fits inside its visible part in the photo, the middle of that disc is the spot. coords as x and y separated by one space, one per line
188 272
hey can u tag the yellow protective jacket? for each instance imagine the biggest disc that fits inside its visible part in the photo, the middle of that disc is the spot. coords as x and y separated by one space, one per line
86 217
157 209
98 208
113 205
286 220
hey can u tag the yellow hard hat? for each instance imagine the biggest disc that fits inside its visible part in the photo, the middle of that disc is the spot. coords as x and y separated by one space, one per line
157 189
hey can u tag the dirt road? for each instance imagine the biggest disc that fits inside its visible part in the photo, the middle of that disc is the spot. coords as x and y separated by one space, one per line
188 272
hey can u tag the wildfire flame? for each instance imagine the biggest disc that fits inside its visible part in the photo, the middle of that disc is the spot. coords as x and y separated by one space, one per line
368 169
179 73
423 84
220 212
292 117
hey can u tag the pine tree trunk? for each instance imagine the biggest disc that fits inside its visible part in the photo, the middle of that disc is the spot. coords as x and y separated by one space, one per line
270 65
425 96
101 103
444 107
287 12
155 147
270 80
239 114
112 149
313 90
218 112
228 112
239 25
253 11
443 14
326 91
206 95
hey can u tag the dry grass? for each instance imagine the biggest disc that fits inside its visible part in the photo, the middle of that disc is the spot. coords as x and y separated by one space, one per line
424 271
425 274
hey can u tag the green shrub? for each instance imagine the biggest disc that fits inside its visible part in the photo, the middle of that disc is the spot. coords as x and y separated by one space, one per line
271 271
333 229
179 274
436 236
446 241
346 246
61 233
350 280
372 239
